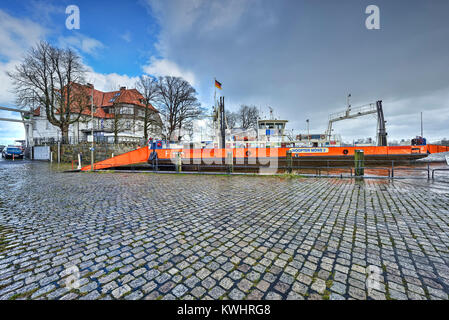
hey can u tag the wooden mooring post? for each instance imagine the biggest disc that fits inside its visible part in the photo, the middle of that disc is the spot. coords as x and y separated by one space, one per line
289 161
230 161
359 163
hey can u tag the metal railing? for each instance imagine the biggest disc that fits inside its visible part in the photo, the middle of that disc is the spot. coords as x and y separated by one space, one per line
334 168
438 169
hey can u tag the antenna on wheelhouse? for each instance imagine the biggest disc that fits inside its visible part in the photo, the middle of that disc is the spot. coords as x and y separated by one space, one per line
271 113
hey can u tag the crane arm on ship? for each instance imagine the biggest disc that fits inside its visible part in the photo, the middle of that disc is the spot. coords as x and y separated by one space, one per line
351 113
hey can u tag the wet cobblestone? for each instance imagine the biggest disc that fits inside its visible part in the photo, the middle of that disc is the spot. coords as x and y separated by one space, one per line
147 236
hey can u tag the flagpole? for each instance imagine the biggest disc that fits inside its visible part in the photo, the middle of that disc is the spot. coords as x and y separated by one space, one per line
215 103
215 93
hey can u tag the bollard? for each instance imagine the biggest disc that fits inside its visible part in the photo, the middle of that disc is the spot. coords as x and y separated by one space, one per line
156 160
79 161
289 161
178 162
230 162
392 168
359 162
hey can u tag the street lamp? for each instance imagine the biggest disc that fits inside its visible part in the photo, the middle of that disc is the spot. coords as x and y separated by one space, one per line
92 128
308 132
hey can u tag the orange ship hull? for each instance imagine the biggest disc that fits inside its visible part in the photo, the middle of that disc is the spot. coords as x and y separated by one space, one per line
262 155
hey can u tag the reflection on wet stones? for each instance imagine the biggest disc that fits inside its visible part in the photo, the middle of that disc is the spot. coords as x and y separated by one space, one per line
149 236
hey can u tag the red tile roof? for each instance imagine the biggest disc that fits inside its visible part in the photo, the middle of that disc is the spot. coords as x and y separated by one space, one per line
104 99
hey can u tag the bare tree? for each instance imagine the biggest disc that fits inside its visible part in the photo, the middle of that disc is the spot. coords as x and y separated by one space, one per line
231 119
50 77
189 130
178 103
148 87
118 123
210 121
247 116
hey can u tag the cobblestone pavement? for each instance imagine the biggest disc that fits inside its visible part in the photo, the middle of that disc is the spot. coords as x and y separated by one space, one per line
149 236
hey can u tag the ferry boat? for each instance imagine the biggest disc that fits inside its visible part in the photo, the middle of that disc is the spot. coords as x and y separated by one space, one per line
268 144
307 150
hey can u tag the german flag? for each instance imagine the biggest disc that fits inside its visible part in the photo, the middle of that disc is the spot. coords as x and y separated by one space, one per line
218 84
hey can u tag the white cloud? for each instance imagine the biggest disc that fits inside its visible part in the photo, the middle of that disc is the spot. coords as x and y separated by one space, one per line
201 15
126 36
9 131
17 35
303 60
165 67
109 81
83 43
6 89
200 18
45 11
402 116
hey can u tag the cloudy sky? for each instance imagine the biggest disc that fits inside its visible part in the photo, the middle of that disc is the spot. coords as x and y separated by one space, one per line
301 58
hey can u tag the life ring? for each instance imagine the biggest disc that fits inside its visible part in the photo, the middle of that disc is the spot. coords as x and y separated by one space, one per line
345 151
248 153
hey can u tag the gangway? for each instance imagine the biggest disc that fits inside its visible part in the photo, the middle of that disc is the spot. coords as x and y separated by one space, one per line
351 113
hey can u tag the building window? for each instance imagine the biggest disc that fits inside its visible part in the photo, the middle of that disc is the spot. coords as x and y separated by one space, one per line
126 110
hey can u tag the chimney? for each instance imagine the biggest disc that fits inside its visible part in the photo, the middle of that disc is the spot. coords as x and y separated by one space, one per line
122 88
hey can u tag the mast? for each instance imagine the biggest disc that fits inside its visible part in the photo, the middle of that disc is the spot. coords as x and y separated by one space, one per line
382 134
422 134
222 123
